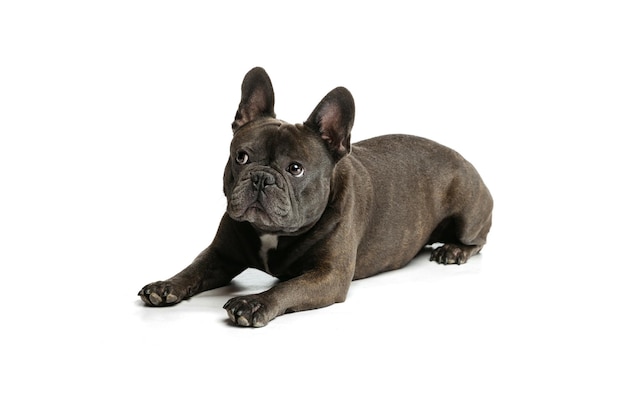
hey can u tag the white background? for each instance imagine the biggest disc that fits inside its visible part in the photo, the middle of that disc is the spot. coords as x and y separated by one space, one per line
115 124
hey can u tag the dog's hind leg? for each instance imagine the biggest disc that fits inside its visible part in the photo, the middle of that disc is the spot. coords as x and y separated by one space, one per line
465 233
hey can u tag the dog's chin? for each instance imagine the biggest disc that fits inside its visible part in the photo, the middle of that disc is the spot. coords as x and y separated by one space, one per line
263 221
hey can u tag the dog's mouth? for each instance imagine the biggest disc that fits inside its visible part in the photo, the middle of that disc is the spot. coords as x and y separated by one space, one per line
255 213
256 209
264 220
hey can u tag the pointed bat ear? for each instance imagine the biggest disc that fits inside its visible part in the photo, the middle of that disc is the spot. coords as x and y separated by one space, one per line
332 119
257 98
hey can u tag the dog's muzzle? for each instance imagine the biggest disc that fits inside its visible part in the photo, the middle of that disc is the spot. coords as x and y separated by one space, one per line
261 179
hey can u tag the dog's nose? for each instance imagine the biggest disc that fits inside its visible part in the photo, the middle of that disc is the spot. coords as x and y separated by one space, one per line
261 180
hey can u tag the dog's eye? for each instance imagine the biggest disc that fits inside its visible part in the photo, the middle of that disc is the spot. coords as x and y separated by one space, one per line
242 157
295 169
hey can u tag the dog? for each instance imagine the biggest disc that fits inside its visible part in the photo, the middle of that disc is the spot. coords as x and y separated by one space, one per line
317 212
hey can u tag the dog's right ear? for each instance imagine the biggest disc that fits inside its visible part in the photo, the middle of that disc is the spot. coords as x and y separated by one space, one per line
257 98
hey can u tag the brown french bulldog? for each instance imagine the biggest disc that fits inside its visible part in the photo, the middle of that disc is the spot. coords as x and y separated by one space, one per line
309 208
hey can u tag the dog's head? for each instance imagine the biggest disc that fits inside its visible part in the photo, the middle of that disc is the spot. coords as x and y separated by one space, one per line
278 176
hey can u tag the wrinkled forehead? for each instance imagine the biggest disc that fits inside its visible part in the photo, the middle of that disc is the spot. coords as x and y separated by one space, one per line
261 128
274 133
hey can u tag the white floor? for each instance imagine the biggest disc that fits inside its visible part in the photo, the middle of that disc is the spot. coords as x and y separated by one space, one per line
114 134
515 332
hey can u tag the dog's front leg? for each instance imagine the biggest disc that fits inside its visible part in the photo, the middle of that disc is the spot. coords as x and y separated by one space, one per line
208 271
308 291
214 267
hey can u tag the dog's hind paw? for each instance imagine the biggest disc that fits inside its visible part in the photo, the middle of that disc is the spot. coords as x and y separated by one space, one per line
453 253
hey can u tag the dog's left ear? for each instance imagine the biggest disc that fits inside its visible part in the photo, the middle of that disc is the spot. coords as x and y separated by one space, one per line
257 98
332 119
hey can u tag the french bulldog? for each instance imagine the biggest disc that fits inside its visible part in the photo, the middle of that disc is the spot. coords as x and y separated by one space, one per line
316 212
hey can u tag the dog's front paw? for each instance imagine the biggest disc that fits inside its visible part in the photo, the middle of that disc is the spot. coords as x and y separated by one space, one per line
162 293
249 311
451 254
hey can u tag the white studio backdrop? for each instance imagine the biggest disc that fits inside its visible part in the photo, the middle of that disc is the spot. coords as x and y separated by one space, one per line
114 131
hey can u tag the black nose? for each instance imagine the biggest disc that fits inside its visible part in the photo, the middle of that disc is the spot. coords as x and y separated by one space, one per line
261 180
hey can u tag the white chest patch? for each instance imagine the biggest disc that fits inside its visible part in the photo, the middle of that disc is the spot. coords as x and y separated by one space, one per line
268 242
